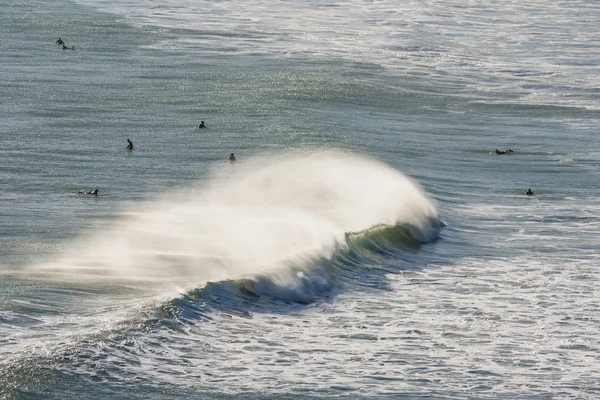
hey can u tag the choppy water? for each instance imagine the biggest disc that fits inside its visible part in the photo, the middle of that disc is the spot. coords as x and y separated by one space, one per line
367 243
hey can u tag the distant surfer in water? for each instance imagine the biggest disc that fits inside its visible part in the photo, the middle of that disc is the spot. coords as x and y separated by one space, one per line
65 47
92 192
231 158
504 152
201 126
129 145
529 192
60 41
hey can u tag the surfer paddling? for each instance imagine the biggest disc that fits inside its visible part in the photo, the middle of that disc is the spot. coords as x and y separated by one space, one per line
91 192
504 152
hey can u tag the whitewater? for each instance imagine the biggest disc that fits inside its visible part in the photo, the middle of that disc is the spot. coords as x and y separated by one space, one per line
369 242
252 217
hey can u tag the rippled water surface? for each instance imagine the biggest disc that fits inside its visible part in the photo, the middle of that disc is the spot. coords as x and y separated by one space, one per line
368 242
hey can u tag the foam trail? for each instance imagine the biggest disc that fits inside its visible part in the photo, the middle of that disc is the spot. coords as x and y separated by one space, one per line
250 218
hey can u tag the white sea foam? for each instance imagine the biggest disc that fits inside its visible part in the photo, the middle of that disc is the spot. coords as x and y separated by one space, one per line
498 49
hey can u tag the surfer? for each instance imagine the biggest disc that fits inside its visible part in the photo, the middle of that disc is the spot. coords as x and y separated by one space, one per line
60 41
201 126
529 192
65 47
231 158
92 192
504 152
129 145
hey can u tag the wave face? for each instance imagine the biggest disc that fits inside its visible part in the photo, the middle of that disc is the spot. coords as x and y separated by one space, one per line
183 273
265 216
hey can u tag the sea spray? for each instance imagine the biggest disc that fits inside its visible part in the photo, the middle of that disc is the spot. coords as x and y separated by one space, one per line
250 218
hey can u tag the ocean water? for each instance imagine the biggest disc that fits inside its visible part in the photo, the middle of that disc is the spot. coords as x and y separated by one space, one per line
368 242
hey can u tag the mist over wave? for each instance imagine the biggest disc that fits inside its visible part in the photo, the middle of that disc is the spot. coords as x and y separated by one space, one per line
283 216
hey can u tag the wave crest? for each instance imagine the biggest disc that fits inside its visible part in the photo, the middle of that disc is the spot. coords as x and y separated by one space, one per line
253 218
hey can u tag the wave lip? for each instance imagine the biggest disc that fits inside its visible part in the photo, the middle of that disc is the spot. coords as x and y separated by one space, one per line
258 217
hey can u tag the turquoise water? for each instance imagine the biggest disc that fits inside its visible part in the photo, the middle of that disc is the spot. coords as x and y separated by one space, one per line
368 242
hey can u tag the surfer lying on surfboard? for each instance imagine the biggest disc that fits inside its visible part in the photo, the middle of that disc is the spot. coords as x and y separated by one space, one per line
92 192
